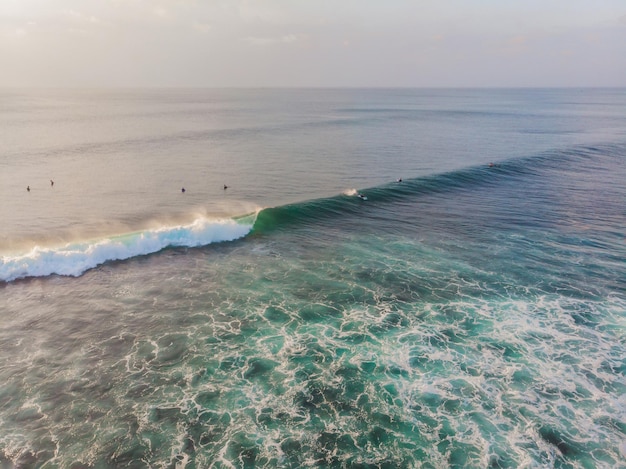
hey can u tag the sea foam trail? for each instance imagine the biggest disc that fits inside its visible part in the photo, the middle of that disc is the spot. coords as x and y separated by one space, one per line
73 259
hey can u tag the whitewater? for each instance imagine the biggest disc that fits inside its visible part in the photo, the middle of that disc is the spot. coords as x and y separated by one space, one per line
75 258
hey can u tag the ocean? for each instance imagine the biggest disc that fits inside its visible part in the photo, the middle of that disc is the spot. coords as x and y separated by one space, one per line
469 310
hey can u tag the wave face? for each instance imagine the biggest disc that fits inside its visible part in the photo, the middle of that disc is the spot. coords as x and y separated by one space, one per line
73 259
519 176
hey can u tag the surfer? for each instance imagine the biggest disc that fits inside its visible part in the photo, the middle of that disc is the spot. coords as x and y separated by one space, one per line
183 190
28 188
225 187
399 180
51 183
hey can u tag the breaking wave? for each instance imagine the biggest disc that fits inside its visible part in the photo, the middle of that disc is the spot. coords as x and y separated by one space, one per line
73 259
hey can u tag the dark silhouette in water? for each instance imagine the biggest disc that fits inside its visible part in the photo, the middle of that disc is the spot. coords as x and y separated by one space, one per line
225 187
28 188
183 190
51 182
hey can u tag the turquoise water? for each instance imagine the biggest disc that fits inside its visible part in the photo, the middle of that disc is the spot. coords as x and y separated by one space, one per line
472 315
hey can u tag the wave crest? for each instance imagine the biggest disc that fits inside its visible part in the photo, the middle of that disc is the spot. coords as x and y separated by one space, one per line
73 259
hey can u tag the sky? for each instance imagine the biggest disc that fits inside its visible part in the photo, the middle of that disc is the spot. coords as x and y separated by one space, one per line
312 43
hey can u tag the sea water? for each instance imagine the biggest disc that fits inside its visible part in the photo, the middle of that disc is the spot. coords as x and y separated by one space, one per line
470 313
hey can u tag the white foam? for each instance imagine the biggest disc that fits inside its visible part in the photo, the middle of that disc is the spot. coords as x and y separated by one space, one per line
73 259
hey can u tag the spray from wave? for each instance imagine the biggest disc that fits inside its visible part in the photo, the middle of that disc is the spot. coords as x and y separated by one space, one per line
73 259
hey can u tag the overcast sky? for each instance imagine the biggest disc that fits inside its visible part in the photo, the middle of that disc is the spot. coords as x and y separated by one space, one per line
345 43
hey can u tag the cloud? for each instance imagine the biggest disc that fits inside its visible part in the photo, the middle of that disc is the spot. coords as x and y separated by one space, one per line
77 16
268 41
161 12
19 31
202 27
518 41
322 42
257 12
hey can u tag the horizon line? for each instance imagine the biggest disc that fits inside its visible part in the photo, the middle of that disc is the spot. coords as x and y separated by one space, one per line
301 87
